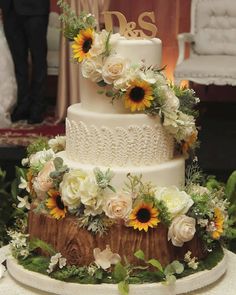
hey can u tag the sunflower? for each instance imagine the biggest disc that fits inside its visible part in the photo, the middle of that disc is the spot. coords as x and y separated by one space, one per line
82 44
143 216
58 209
139 95
218 224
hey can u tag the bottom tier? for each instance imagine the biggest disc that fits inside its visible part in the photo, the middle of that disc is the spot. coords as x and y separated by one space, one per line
76 244
165 174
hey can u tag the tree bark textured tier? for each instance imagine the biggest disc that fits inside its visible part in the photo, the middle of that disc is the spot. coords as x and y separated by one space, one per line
76 244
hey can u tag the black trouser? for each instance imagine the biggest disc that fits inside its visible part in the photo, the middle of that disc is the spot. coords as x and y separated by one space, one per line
28 34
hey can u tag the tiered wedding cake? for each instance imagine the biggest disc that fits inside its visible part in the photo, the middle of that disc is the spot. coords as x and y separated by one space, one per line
113 203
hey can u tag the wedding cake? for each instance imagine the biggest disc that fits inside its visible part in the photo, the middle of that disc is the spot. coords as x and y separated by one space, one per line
111 197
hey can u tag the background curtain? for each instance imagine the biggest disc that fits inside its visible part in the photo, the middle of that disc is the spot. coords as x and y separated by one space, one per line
68 80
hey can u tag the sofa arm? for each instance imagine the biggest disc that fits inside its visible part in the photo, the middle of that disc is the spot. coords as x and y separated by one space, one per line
182 39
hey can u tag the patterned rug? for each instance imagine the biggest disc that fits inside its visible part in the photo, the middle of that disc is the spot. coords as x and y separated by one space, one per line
22 134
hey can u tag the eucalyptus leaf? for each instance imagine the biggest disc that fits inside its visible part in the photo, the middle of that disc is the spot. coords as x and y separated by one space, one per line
101 83
120 272
123 288
170 279
156 264
178 267
58 163
140 255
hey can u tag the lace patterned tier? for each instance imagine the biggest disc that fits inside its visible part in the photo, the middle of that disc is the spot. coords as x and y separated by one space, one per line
116 139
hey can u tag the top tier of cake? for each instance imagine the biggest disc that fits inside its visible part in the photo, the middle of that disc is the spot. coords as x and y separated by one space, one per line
148 50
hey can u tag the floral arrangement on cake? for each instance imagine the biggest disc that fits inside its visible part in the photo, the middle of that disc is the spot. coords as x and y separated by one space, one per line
49 187
141 87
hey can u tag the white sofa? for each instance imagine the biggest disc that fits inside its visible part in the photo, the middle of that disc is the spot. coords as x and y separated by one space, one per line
212 42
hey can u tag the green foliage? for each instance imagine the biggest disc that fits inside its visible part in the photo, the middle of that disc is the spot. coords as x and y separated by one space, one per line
123 288
140 255
164 214
37 243
156 264
60 170
187 100
72 24
230 188
120 273
38 145
193 174
212 183
103 179
35 263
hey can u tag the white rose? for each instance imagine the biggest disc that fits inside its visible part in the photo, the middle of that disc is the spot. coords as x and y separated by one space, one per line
177 202
182 229
70 188
170 100
119 206
41 157
124 82
92 69
42 183
91 195
114 68
99 43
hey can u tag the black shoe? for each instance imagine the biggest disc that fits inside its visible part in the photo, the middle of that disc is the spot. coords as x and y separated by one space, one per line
35 118
21 112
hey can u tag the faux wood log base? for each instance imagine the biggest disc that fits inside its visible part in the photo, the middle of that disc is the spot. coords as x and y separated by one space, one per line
76 244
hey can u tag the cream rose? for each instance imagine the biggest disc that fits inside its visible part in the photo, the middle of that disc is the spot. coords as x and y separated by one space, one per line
70 188
42 183
182 229
177 202
99 43
119 206
114 68
170 100
92 69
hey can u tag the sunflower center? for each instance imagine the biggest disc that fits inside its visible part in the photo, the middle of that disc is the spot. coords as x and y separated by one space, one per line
87 45
59 203
143 215
137 94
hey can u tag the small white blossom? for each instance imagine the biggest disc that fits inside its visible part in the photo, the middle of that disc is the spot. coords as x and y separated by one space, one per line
192 263
24 184
56 260
202 222
24 161
24 202
57 144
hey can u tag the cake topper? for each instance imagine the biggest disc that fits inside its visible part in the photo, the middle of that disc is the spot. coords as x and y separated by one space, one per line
128 29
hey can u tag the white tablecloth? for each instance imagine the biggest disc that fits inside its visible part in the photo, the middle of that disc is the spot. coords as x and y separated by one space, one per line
224 286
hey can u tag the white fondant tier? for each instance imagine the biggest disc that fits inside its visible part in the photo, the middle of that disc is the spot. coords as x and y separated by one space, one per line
116 140
165 174
149 50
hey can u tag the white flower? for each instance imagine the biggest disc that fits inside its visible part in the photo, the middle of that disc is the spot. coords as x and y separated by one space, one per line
24 161
177 202
92 69
198 190
169 99
114 68
91 195
105 258
2 270
99 43
41 157
69 188
149 76
56 260
24 202
57 144
24 184
192 263
124 81
118 206
181 230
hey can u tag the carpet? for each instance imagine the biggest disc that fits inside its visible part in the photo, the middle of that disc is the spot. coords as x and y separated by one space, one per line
22 134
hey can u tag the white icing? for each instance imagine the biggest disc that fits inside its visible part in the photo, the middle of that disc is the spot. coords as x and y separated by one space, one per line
116 139
164 174
149 50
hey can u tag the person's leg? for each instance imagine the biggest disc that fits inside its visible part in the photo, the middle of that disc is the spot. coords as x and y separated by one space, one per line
17 41
36 30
